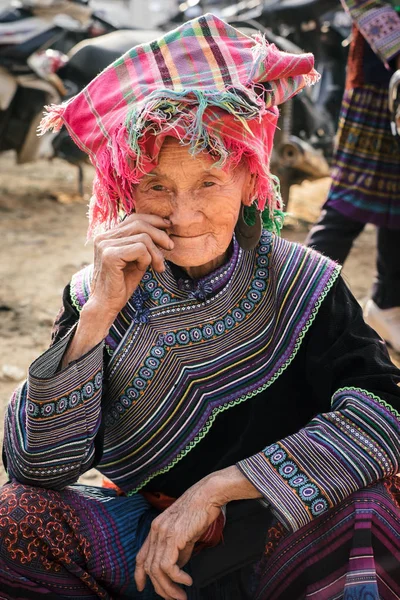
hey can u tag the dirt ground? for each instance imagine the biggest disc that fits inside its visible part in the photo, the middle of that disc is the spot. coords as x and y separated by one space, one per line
42 243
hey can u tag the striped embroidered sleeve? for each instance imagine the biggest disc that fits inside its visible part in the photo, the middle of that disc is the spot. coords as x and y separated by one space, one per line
338 453
379 23
53 418
354 441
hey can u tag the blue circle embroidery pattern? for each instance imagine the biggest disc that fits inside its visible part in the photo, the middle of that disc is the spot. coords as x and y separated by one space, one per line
254 295
297 481
195 335
146 373
157 351
170 339
152 363
183 337
229 322
61 405
132 393
65 403
32 409
308 491
219 327
139 383
262 261
126 401
259 284
319 506
88 390
271 449
278 457
157 294
288 469
47 410
208 331
74 399
238 314
150 286
246 306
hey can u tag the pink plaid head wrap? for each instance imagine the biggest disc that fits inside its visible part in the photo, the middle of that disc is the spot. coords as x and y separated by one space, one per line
205 83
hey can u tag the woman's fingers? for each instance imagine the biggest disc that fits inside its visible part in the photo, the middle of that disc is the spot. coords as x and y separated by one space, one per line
140 573
136 224
157 559
165 562
140 246
185 554
120 256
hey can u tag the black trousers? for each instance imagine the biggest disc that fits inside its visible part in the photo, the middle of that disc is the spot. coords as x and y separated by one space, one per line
334 234
227 572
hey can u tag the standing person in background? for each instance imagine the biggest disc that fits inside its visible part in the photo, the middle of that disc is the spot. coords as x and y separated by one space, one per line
366 173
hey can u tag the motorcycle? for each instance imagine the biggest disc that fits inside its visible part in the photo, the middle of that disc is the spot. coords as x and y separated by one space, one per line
33 74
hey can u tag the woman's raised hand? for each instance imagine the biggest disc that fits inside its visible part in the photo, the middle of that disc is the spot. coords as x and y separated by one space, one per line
121 256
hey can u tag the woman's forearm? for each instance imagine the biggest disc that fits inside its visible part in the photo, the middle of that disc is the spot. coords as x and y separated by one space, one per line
93 326
230 484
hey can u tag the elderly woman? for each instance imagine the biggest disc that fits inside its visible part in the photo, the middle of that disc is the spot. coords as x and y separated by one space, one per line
221 379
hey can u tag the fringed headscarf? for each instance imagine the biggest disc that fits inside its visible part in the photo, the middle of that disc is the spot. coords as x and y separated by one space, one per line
205 83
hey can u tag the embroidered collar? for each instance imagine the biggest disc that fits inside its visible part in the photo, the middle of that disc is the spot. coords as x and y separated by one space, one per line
176 285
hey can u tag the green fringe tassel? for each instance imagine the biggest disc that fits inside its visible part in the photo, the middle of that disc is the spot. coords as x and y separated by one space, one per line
272 222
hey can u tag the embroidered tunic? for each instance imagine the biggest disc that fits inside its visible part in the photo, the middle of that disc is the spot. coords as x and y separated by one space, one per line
265 363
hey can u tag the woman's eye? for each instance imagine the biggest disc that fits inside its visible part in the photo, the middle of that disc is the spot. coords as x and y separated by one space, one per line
208 183
158 188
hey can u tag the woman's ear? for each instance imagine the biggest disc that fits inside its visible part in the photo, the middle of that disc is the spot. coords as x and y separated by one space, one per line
249 187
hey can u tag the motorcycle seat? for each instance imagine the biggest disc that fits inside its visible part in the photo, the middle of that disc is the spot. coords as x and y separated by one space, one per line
293 12
20 52
90 57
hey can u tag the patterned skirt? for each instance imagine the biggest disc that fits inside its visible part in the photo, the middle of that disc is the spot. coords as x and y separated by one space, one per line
366 170
82 543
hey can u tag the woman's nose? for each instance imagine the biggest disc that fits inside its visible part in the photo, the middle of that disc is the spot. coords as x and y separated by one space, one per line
185 213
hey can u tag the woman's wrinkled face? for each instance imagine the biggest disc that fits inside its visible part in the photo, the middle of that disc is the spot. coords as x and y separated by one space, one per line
201 200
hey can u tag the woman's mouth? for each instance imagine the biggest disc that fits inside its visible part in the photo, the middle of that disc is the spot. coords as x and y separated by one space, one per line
186 237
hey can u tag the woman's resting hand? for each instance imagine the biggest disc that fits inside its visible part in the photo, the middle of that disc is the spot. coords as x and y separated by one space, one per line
175 531
121 256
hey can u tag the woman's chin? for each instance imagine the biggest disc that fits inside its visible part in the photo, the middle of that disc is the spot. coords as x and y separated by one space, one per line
188 258
197 252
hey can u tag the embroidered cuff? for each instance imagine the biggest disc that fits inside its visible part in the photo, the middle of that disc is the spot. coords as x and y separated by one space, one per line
285 501
52 421
337 454
46 383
